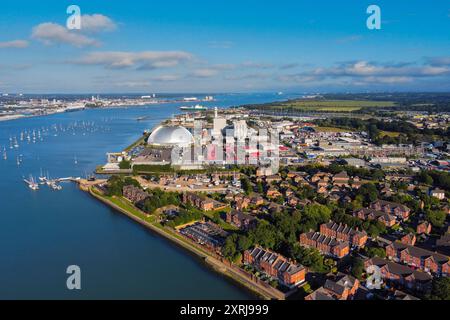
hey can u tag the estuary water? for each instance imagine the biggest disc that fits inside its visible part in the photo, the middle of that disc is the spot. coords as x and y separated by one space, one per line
43 232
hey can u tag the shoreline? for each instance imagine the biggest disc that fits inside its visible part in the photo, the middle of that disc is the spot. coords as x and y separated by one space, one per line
210 261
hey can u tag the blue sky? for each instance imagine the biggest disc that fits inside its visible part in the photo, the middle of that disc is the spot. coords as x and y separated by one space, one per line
224 46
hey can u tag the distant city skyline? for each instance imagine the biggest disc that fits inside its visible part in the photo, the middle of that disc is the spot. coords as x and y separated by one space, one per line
229 46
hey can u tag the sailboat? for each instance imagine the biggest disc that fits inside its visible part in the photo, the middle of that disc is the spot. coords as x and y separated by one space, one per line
32 184
42 178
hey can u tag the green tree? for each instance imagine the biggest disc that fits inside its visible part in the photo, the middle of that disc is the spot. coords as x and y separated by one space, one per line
376 252
246 185
425 178
264 234
436 217
229 248
125 164
259 187
316 214
440 289
368 192
357 268
310 258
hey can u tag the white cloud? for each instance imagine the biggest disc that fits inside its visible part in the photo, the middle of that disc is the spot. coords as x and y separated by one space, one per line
97 23
14 44
132 84
204 73
167 77
365 69
252 76
137 60
51 33
256 65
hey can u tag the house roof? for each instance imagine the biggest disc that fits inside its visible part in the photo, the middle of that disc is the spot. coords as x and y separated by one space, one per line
321 294
400 270
420 253
392 205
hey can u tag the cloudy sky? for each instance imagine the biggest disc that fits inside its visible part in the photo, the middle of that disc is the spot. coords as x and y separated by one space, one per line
224 46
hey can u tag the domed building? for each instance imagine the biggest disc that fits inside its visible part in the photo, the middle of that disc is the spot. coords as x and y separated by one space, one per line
170 136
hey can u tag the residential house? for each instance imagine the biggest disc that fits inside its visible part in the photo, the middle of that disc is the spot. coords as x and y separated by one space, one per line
423 228
273 179
276 266
134 194
241 220
397 209
341 179
369 214
325 244
437 193
257 201
409 239
401 275
343 232
419 258
273 193
202 202
336 287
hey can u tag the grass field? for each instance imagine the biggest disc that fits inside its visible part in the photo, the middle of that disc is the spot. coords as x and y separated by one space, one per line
390 134
328 105
332 129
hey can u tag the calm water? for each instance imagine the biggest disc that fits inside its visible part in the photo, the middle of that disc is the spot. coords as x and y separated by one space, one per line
42 232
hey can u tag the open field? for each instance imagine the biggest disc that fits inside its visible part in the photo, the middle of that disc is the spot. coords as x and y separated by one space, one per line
325 105
331 129
390 134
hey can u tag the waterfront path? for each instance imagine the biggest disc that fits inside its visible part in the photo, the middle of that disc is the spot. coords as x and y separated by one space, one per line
231 271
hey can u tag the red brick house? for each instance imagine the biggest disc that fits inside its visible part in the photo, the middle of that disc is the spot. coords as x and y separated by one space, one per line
273 193
202 202
423 228
275 265
387 219
419 258
257 201
134 194
343 232
272 179
293 201
341 179
242 204
409 239
241 220
401 275
325 244
320 176
336 287
401 211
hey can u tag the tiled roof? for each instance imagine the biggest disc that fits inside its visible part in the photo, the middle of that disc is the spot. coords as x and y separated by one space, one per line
401 270
421 253
393 205
343 228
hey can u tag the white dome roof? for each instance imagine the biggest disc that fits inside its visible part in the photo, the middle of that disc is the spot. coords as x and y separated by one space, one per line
171 136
